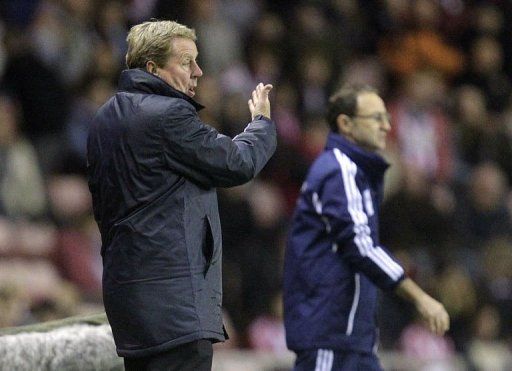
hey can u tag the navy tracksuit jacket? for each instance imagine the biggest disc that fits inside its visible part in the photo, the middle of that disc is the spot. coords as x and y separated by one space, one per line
334 262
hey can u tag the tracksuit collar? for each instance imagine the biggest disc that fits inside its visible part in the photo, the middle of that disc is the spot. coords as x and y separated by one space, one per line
372 163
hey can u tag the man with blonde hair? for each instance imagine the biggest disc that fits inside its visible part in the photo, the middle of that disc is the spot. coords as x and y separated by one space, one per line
153 170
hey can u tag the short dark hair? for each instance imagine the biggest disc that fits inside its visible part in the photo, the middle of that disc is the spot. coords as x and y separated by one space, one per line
344 101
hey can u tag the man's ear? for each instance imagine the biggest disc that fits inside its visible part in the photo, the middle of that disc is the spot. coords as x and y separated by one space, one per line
151 67
344 124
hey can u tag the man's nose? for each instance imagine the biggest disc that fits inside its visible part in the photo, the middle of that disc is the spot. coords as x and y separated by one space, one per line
386 124
198 72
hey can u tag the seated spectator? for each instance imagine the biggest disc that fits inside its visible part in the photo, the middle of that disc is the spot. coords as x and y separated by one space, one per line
422 46
77 255
37 278
420 126
422 346
14 305
22 192
459 294
486 350
497 278
482 213
266 332
83 108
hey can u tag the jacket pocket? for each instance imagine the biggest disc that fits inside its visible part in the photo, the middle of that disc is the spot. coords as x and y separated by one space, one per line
207 245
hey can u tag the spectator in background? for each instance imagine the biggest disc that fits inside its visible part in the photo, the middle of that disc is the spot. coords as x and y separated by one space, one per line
236 215
459 291
264 249
22 189
221 43
482 211
287 115
421 46
266 333
77 251
482 135
95 93
421 131
265 65
14 305
312 32
413 220
23 197
486 71
417 343
207 93
62 36
41 94
314 78
112 28
334 262
270 33
497 282
486 350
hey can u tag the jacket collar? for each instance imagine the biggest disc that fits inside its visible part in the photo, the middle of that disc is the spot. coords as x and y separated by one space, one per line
139 80
372 163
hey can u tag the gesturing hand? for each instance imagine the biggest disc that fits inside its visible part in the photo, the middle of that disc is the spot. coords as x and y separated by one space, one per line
434 315
431 311
259 104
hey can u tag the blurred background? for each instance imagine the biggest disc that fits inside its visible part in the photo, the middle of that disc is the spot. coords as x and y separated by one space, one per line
443 68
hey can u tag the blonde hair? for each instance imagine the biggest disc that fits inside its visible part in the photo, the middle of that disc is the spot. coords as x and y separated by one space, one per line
151 41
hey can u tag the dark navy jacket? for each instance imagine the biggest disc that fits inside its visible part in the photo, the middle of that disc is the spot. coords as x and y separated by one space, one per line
334 262
153 167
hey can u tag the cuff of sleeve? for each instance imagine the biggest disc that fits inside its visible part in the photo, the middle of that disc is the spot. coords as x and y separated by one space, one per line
395 284
261 117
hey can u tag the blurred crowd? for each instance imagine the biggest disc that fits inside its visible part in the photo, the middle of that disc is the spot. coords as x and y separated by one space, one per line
442 67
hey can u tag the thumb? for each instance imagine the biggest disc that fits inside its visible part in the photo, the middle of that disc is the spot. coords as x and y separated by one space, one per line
267 88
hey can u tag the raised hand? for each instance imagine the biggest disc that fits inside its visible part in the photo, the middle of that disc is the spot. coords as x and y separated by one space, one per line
259 104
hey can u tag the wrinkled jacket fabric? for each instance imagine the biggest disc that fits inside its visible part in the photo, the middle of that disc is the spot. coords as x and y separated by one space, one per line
152 168
334 261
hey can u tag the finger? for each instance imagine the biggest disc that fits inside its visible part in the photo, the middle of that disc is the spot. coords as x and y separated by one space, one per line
255 97
251 105
446 322
259 89
433 327
439 327
264 88
444 325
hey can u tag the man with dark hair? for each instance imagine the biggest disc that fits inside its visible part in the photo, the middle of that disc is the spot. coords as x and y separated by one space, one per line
334 262
153 167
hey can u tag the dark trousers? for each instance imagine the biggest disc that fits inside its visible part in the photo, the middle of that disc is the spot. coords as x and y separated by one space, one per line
194 356
335 360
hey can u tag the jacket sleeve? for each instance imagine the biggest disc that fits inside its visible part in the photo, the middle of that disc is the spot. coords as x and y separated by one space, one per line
200 153
341 206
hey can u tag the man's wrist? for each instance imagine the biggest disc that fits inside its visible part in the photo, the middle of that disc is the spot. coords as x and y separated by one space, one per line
261 116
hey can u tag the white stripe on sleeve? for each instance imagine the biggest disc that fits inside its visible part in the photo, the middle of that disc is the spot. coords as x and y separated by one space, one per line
363 239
